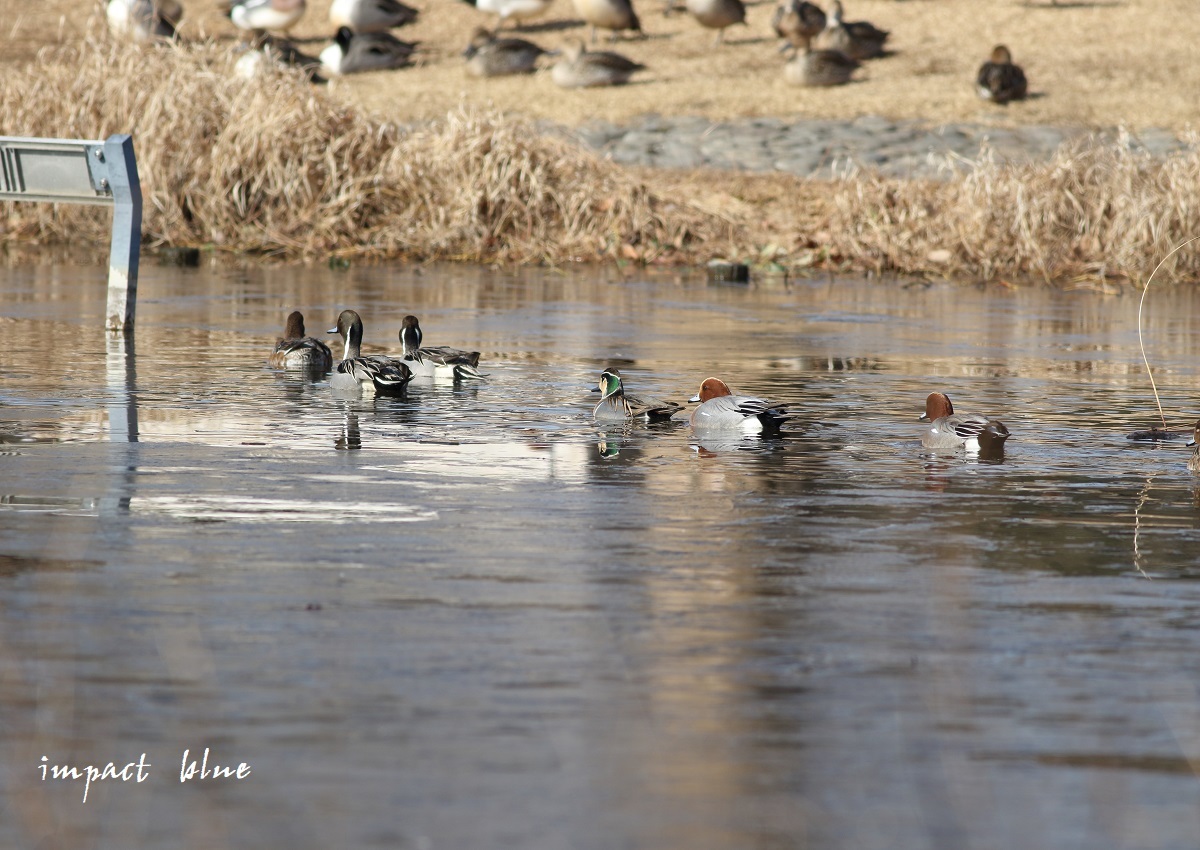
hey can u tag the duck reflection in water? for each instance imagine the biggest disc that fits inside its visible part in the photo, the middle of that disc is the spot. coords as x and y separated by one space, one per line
349 438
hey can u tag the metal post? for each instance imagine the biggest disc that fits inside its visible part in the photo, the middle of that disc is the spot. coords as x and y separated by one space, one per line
126 246
85 172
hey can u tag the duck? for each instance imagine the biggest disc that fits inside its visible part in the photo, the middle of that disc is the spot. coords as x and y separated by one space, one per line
999 80
614 15
435 361
819 68
717 14
1194 445
579 68
797 22
353 53
297 351
363 16
616 405
355 373
857 39
277 51
950 430
489 56
274 15
519 10
721 409
144 20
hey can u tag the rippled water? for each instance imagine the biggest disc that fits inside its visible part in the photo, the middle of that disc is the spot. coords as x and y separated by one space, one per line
470 619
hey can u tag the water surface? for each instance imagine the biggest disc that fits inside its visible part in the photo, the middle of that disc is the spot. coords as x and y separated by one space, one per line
469 618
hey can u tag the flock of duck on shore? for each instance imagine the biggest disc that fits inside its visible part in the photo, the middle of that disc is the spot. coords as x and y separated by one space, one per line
720 410
824 48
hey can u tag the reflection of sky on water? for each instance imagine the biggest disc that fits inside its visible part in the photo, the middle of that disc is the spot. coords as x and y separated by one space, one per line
471 618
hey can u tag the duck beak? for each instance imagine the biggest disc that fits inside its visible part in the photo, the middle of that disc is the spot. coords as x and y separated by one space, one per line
924 417
595 389
1191 444
694 399
332 331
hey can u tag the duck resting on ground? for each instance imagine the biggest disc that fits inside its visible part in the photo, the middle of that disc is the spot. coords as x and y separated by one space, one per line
999 80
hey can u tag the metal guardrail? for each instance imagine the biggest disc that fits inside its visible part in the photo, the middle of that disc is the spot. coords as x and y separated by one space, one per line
85 172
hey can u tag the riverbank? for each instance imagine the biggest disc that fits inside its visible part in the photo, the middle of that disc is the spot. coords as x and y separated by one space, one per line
278 167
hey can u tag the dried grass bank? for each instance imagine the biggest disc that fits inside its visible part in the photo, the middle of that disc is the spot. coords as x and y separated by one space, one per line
1097 210
274 165
277 166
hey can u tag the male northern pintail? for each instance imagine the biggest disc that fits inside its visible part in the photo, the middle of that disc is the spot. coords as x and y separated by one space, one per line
613 15
616 405
723 410
273 15
489 56
999 80
950 430
144 20
518 10
819 68
717 14
797 22
581 68
370 15
1194 460
297 351
378 374
857 39
354 53
436 361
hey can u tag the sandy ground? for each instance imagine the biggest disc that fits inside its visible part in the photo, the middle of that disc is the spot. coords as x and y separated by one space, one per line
1096 64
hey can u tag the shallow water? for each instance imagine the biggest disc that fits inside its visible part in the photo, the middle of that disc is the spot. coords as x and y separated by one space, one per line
469 619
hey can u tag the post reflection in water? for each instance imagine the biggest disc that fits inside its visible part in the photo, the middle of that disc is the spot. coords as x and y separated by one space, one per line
469 617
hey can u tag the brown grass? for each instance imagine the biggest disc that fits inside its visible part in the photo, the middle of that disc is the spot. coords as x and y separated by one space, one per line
280 167
1096 210
276 166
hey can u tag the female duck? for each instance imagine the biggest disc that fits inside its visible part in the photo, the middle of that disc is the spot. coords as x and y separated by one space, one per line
616 406
437 361
354 373
723 410
857 39
819 68
579 68
297 351
950 430
999 80
489 56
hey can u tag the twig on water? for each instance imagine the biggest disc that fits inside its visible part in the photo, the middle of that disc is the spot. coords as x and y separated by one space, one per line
1141 345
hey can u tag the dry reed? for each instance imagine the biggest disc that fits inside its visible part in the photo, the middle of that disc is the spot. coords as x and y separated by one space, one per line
275 165
280 167
1097 209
